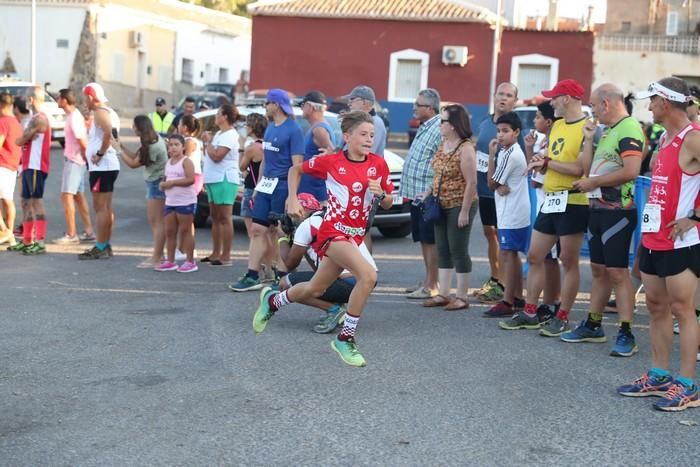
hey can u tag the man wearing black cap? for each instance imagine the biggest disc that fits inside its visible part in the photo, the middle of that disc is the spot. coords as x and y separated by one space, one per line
162 119
319 139
362 98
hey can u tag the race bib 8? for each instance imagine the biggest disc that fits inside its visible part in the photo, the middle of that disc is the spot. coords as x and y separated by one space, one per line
651 218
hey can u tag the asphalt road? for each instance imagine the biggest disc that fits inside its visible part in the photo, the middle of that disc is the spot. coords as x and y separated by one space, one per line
104 364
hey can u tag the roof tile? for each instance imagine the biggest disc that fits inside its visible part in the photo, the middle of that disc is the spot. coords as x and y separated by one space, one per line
407 10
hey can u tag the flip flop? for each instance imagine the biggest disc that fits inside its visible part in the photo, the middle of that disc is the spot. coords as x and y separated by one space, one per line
436 301
205 260
218 262
146 265
454 305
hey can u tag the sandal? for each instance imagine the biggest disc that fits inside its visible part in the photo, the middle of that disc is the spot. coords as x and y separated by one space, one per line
458 304
218 262
146 264
435 301
206 259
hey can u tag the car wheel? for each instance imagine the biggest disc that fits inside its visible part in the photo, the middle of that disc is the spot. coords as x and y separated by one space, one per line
395 231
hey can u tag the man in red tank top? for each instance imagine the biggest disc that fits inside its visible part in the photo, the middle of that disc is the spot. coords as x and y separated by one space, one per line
670 253
36 157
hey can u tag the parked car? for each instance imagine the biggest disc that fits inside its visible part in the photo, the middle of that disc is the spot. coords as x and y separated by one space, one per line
224 88
57 117
340 104
393 223
206 99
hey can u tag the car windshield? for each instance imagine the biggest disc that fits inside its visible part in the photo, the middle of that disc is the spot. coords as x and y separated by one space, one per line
23 91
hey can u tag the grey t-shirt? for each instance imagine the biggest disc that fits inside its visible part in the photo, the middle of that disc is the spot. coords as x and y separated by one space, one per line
159 156
379 136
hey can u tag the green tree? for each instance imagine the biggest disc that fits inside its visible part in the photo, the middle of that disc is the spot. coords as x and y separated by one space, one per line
237 7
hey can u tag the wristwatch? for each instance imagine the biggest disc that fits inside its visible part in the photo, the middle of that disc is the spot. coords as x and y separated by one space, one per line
382 196
692 216
99 154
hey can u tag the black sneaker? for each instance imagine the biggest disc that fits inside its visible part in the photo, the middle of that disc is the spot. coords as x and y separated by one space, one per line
95 253
544 313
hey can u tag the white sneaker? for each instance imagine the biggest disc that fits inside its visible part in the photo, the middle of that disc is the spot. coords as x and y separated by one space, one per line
180 256
676 327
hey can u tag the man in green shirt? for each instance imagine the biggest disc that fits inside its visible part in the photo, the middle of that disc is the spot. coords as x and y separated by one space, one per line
613 215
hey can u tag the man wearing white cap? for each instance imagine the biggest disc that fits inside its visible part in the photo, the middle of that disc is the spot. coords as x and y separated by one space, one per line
670 253
103 167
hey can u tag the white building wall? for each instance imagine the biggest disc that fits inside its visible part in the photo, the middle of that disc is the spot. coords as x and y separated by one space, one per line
217 51
53 23
640 68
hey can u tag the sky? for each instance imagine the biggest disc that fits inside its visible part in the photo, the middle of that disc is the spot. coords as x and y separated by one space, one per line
569 8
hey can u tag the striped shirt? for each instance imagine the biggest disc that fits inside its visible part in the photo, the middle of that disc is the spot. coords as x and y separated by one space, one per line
417 169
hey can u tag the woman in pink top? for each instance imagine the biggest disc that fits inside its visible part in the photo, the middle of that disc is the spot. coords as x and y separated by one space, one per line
180 205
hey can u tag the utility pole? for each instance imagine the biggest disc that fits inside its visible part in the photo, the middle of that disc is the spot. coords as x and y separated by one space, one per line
497 33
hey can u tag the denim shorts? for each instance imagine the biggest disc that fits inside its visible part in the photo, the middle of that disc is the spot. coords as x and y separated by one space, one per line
153 190
188 209
247 203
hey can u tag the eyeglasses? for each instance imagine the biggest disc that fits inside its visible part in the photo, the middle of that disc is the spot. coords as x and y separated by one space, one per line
444 120
268 102
416 104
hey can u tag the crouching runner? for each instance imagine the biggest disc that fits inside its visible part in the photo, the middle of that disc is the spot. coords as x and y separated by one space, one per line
353 177
334 299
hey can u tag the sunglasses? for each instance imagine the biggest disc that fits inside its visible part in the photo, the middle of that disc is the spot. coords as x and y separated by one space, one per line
444 120
416 104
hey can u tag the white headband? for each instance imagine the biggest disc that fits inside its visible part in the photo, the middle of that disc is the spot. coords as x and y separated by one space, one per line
656 89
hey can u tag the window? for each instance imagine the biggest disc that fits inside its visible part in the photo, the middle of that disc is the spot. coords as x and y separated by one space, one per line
207 72
62 43
626 27
532 73
117 67
408 74
223 75
672 23
187 71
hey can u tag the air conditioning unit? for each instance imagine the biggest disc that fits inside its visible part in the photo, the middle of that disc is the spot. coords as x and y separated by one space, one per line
455 55
135 39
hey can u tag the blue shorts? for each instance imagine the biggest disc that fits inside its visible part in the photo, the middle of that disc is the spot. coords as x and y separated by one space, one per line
265 204
186 210
514 239
247 203
153 190
33 183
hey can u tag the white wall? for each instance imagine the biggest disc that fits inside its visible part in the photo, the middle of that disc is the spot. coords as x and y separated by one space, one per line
217 50
53 23
640 68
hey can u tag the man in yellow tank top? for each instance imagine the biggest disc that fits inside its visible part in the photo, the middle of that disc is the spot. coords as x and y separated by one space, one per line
564 214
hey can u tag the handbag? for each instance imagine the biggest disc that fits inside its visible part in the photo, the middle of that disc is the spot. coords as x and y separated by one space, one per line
430 207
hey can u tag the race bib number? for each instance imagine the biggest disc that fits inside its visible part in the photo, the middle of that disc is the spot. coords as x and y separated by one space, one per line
651 218
555 202
594 194
482 162
266 185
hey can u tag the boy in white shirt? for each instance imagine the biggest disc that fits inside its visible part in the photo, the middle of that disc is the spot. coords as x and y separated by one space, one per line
507 175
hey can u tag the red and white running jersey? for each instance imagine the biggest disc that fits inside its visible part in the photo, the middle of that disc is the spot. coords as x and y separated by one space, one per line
349 198
676 192
36 154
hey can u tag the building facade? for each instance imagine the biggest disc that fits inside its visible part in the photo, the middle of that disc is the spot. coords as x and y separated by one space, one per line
402 46
135 49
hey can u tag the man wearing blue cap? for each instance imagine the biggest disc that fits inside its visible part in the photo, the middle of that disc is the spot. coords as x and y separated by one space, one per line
283 146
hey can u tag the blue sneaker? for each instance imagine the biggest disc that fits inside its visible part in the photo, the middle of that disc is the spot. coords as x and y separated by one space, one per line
646 385
246 284
583 333
625 345
679 397
263 313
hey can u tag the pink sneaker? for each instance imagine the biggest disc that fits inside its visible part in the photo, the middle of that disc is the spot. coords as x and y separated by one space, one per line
166 266
188 266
